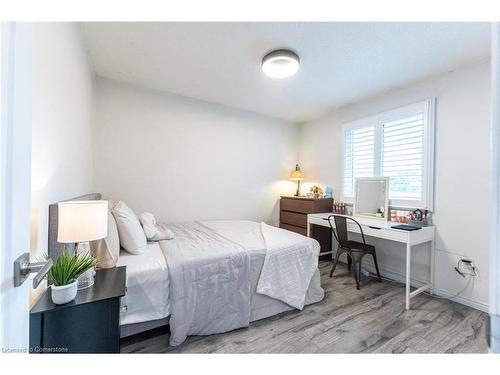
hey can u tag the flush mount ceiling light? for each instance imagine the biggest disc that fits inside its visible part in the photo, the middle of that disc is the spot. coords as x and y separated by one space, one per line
280 64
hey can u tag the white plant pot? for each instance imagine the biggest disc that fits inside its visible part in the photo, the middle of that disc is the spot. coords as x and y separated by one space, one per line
64 294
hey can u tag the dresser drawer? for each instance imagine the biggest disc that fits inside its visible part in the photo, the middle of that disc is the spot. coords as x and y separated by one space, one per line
297 205
293 218
294 228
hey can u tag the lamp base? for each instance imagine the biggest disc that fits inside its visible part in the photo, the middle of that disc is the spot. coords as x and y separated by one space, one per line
297 193
87 278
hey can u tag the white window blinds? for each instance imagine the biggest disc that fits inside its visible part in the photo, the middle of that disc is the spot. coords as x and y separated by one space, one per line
359 152
397 144
402 157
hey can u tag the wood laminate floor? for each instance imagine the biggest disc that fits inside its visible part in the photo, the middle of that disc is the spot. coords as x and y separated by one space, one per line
370 320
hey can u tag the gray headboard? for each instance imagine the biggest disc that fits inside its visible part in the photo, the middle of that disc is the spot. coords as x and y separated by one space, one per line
54 247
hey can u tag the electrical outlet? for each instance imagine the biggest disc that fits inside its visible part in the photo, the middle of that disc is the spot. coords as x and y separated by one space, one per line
466 267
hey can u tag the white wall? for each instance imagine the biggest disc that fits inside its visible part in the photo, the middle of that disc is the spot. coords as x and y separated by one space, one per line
184 159
495 193
462 178
62 157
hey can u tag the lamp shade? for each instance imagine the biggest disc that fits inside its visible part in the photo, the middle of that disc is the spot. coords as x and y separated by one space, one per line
82 221
296 174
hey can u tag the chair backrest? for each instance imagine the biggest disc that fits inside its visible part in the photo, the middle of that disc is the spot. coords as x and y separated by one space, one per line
340 230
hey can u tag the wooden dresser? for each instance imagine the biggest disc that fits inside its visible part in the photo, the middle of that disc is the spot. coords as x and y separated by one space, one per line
293 217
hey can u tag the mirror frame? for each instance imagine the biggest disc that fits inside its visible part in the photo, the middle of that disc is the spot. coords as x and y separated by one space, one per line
386 202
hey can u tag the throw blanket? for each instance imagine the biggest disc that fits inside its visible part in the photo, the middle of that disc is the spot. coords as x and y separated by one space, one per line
291 260
210 276
209 283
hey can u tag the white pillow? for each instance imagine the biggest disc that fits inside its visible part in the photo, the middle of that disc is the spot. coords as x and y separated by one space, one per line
107 250
153 230
132 237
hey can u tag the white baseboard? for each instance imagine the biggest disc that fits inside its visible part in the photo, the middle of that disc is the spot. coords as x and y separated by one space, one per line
388 272
463 300
396 275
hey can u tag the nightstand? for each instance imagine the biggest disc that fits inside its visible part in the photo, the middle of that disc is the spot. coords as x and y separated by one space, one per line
293 217
88 324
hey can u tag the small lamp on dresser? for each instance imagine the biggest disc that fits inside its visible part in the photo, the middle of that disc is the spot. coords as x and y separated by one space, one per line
80 222
296 175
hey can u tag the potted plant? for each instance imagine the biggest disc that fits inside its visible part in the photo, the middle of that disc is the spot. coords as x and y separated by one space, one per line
64 274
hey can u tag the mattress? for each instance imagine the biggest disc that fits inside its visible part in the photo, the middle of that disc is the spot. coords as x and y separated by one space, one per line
249 235
147 296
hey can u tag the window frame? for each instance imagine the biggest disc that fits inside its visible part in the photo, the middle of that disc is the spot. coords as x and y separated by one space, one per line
427 108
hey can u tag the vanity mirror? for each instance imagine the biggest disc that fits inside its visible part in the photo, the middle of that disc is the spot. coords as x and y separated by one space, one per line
371 197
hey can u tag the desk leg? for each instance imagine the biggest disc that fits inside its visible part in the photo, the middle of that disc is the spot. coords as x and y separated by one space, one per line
432 274
408 274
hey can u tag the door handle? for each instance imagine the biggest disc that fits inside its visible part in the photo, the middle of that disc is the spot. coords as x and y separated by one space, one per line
23 267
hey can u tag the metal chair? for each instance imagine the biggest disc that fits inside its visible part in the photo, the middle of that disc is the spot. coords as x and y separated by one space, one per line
355 250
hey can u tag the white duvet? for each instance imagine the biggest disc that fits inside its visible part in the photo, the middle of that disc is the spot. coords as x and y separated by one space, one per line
291 260
209 271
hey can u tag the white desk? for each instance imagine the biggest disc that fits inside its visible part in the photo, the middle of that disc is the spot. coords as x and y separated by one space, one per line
382 229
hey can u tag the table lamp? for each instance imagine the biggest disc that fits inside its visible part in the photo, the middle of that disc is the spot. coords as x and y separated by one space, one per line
80 222
296 176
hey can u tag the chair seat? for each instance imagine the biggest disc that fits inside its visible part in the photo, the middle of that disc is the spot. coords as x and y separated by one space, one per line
359 246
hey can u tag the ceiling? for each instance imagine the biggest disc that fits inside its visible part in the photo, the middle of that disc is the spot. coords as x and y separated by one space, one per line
340 62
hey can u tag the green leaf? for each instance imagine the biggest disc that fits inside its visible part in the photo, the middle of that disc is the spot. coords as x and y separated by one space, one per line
68 267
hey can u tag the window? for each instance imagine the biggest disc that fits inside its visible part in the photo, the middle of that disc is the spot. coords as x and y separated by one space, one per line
397 144
359 156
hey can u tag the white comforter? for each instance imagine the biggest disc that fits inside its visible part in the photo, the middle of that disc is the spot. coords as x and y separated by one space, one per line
291 260
209 270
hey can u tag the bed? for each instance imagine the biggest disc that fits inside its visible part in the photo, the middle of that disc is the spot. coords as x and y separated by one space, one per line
145 301
231 262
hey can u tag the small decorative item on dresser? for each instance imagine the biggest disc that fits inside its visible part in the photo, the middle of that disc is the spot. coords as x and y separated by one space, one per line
64 274
316 191
296 175
328 192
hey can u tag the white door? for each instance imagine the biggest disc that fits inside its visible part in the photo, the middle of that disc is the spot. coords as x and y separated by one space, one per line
15 168
495 198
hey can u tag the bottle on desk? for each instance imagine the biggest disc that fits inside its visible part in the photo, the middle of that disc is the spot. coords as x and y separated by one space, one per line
339 208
